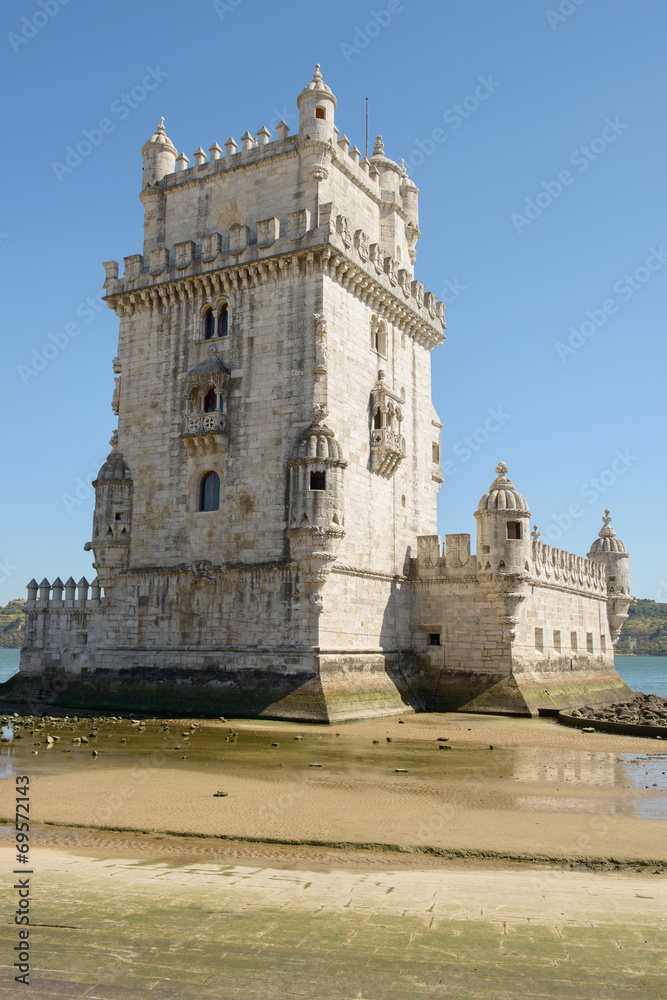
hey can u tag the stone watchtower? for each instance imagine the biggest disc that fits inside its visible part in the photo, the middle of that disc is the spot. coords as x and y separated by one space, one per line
277 451
610 552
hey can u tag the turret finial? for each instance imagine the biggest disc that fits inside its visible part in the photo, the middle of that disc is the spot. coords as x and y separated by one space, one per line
160 127
317 76
501 469
606 531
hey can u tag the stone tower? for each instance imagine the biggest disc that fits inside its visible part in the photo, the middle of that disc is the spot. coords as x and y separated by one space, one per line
265 524
277 451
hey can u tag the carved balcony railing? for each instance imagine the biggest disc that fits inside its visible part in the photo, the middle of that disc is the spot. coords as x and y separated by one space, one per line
387 450
206 432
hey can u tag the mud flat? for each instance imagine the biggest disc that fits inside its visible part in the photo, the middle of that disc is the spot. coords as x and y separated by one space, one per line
513 787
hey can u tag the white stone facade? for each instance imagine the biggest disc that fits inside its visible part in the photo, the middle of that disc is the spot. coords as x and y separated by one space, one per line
264 529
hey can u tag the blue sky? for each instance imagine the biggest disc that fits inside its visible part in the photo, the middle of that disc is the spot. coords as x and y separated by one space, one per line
535 132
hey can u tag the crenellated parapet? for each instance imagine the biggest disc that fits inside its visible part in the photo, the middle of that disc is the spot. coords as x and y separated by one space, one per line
549 565
56 613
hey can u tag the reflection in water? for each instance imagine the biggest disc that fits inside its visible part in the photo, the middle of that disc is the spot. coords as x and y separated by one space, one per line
530 779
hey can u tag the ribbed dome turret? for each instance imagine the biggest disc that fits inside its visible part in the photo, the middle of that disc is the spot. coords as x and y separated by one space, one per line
114 469
318 441
607 540
316 87
501 494
160 138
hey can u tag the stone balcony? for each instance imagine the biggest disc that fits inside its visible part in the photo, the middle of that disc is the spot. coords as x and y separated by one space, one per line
387 451
206 432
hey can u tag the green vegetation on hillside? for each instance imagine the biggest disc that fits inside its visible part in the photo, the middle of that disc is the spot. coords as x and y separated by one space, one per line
11 625
645 631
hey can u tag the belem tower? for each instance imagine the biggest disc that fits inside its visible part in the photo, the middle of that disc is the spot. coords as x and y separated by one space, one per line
264 532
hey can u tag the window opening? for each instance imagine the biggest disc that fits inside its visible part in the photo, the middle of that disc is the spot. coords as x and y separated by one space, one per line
209 492
539 639
209 325
557 644
434 638
223 321
573 641
513 529
320 113
589 642
318 481
210 401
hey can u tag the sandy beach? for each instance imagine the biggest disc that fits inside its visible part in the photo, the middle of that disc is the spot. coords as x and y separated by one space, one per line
542 791
527 861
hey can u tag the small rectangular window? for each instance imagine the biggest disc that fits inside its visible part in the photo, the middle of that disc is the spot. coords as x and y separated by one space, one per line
603 643
613 579
539 639
435 451
514 529
573 641
557 645
320 113
434 638
318 481
589 642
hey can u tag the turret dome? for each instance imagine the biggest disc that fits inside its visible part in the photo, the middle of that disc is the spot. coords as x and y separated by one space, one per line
501 495
160 138
114 469
607 540
316 87
319 441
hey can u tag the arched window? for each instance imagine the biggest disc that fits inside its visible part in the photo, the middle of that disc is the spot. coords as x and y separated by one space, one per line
209 325
223 321
377 420
209 491
210 401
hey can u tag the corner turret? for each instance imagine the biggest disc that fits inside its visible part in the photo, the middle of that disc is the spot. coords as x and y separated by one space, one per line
112 517
503 541
159 155
612 553
316 104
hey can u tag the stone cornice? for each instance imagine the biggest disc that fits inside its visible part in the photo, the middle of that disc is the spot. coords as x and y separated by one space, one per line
148 292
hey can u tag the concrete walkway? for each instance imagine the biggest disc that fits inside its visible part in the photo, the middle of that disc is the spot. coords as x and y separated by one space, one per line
183 931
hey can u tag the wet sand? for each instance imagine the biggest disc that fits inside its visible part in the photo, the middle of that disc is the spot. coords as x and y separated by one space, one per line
543 791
